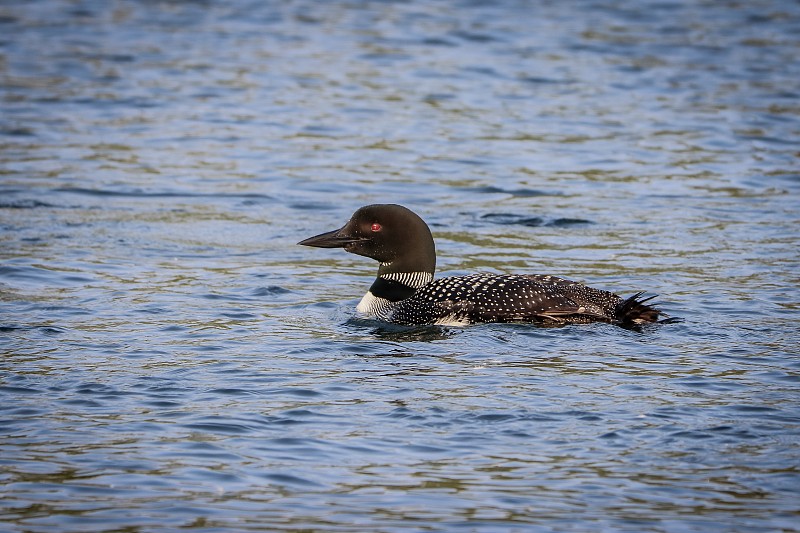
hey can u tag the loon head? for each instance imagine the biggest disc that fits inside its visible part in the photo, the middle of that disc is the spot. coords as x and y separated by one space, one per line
391 234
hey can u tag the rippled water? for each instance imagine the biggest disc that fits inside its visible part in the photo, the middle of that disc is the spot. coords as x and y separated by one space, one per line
171 359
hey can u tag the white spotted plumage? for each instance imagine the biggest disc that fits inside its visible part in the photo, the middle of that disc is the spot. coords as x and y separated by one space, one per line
488 297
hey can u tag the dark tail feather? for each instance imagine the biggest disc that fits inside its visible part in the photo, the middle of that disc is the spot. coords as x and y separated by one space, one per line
633 312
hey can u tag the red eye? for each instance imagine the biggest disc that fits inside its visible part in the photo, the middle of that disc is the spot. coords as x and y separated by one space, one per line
375 227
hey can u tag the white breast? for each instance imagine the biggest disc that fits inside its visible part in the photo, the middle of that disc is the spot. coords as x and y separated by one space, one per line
374 307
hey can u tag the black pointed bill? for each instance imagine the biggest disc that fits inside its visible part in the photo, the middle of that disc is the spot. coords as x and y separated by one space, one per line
331 239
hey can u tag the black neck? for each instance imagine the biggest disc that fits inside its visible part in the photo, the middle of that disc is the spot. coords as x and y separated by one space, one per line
394 291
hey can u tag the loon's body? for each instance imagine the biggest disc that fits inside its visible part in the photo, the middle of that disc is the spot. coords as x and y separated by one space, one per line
405 292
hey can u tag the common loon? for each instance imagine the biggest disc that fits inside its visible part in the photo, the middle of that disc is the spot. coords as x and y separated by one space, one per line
405 292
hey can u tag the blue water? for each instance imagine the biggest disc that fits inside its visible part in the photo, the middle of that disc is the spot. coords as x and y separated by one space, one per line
172 360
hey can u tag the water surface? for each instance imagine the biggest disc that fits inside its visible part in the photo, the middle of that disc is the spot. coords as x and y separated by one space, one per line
172 360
